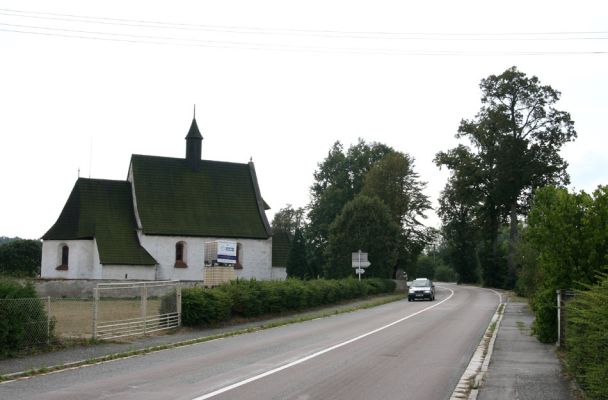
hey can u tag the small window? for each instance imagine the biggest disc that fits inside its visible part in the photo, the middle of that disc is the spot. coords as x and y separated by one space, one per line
65 258
180 261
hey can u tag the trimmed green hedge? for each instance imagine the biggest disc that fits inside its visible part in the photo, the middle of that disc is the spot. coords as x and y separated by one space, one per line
587 339
252 298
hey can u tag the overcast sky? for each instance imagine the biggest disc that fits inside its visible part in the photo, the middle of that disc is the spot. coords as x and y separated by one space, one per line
83 85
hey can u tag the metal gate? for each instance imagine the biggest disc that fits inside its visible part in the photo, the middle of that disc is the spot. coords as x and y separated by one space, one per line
135 308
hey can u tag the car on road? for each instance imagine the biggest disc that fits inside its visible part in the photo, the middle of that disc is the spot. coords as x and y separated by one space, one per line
421 288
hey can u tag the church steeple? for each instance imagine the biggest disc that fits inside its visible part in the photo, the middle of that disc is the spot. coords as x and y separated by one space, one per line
194 143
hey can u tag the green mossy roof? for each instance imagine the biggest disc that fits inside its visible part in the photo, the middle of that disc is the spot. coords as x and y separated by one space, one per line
281 243
221 199
102 209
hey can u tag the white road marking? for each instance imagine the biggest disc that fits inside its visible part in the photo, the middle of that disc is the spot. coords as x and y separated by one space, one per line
317 354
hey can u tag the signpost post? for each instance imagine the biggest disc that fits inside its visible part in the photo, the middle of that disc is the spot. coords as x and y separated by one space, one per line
360 262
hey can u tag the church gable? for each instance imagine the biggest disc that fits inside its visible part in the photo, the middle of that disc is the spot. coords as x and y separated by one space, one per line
102 209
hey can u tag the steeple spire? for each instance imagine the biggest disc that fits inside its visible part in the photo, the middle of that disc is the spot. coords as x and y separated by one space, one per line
194 141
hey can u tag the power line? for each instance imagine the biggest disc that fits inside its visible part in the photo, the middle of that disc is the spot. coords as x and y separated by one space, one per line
137 39
340 47
552 35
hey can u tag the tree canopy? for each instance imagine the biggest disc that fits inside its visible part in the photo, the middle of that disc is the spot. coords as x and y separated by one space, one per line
516 138
365 223
374 170
21 257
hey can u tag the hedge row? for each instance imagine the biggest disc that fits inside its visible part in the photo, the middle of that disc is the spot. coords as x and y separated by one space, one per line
587 339
23 318
251 298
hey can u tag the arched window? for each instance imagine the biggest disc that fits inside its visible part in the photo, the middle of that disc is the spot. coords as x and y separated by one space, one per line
180 255
65 257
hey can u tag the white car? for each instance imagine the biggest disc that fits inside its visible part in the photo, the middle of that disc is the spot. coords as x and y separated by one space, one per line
421 288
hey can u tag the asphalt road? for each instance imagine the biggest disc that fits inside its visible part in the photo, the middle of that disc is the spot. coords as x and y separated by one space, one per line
401 350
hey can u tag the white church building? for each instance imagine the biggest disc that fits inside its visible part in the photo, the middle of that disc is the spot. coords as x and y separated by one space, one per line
156 223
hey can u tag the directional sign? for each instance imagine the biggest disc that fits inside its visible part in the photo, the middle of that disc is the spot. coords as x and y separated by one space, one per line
360 260
360 271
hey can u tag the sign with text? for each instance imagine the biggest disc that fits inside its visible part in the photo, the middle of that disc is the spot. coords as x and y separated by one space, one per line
360 260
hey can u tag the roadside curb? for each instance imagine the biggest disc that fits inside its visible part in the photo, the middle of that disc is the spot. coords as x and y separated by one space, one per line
472 378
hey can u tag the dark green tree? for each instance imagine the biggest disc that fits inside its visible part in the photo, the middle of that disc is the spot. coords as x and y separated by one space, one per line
365 223
337 181
568 233
461 212
516 137
288 220
393 180
21 257
297 261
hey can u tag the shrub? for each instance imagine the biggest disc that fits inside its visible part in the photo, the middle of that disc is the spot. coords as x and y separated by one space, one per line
295 296
444 273
246 297
377 285
272 295
544 304
587 339
23 318
21 257
205 306
251 298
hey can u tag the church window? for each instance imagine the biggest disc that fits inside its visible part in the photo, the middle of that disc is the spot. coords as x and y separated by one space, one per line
65 257
180 252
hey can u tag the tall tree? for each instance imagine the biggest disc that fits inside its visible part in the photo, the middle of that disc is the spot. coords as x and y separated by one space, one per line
365 223
393 180
460 230
288 220
336 182
297 262
516 136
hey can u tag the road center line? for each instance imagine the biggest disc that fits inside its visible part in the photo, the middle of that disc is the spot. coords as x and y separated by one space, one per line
317 354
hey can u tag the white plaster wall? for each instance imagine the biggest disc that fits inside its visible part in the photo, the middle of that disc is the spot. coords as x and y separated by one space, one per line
80 261
162 248
129 272
255 257
279 273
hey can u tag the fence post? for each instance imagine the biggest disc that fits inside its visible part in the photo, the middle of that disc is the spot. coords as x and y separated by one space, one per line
178 303
95 310
559 317
144 295
48 319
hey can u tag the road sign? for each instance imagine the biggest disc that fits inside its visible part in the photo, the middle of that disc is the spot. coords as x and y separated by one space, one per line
360 260
363 264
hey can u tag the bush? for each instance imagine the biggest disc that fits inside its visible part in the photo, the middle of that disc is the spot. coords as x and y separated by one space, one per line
444 273
21 258
377 286
23 318
246 297
205 306
544 304
251 298
587 339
